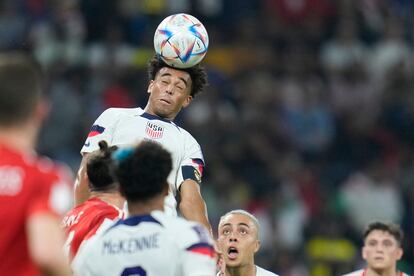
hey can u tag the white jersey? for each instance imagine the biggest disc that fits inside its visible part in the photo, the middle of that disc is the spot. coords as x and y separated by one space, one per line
128 126
151 245
362 272
263 272
259 272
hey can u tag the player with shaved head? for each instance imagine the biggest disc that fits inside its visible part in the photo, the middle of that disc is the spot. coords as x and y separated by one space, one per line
238 240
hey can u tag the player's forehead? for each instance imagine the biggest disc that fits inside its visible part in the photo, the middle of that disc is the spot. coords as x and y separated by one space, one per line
380 235
171 72
236 220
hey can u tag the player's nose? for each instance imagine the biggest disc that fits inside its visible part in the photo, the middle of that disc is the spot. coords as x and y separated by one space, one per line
232 237
170 89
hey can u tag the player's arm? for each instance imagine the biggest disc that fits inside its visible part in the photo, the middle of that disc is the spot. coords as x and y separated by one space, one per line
192 205
81 183
45 240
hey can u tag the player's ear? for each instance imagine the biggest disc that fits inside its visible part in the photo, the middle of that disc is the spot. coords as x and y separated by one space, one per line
187 101
42 110
150 86
166 190
400 252
363 253
257 246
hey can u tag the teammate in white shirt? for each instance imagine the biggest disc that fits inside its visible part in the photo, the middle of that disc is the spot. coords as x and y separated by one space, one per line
381 250
148 242
170 90
238 240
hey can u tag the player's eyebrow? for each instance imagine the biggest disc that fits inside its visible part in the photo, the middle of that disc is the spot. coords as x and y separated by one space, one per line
239 224
169 75
226 224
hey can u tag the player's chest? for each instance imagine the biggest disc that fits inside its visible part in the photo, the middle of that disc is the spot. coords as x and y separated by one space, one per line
136 129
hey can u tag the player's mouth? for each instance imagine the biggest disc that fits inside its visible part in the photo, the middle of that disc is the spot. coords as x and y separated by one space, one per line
165 101
232 253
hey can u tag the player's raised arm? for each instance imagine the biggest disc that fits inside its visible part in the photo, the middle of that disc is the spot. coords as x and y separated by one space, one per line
192 205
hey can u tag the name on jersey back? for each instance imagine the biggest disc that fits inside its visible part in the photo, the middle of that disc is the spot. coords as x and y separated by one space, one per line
131 245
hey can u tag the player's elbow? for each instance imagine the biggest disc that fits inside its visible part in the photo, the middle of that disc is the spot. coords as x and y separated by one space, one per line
185 206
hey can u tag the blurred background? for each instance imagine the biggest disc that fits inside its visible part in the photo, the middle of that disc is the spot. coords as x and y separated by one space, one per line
308 121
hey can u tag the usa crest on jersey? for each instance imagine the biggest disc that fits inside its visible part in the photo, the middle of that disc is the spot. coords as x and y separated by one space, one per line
154 131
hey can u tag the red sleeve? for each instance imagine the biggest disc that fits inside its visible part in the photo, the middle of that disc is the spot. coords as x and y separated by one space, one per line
53 192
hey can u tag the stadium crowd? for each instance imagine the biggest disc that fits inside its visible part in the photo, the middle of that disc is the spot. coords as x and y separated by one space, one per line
307 121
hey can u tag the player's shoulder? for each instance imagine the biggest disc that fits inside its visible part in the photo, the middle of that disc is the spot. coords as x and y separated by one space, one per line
114 113
96 209
263 272
359 272
183 131
184 231
124 111
102 209
168 221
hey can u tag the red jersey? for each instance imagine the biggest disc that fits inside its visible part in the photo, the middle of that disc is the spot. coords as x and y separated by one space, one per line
29 185
84 220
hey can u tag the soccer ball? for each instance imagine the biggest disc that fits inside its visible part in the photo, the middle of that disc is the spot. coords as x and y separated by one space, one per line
181 40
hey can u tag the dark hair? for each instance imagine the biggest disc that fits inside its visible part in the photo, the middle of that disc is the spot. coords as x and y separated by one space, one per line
99 168
391 228
142 172
197 73
20 87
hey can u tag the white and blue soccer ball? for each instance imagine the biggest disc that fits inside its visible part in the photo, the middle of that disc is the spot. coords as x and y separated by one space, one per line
181 40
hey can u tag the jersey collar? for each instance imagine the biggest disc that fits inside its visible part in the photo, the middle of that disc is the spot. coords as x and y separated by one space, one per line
135 220
154 117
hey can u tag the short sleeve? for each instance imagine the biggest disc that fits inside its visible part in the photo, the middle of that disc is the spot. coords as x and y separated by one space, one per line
198 255
102 129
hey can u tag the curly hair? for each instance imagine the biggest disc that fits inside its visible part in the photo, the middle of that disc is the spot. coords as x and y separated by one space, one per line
197 73
99 168
142 172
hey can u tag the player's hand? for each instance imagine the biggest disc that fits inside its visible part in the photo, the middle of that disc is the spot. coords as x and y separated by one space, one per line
220 264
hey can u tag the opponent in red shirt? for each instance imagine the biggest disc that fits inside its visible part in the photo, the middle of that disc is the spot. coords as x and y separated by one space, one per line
33 191
104 205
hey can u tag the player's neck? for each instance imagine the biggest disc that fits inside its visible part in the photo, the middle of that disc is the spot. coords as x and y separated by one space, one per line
145 207
387 272
113 198
21 138
148 109
248 270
